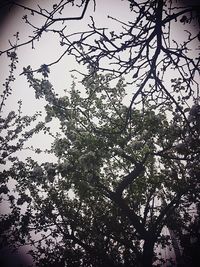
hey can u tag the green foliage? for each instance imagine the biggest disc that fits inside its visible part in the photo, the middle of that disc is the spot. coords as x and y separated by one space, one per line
127 148
119 179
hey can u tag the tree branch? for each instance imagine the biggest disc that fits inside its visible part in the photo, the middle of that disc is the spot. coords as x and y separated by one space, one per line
128 179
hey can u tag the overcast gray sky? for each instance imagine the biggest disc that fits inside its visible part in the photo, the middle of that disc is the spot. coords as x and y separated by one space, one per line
48 50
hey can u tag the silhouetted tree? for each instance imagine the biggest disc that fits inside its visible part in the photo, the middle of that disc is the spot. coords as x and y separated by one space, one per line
128 145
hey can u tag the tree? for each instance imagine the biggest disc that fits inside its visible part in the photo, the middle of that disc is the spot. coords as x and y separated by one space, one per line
128 165
127 183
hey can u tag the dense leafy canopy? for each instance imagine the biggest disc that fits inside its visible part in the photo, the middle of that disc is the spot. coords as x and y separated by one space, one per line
127 148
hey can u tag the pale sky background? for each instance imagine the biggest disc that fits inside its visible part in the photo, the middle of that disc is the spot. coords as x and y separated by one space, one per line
48 50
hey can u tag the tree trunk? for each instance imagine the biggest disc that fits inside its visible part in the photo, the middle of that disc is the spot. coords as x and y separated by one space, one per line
179 259
148 252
